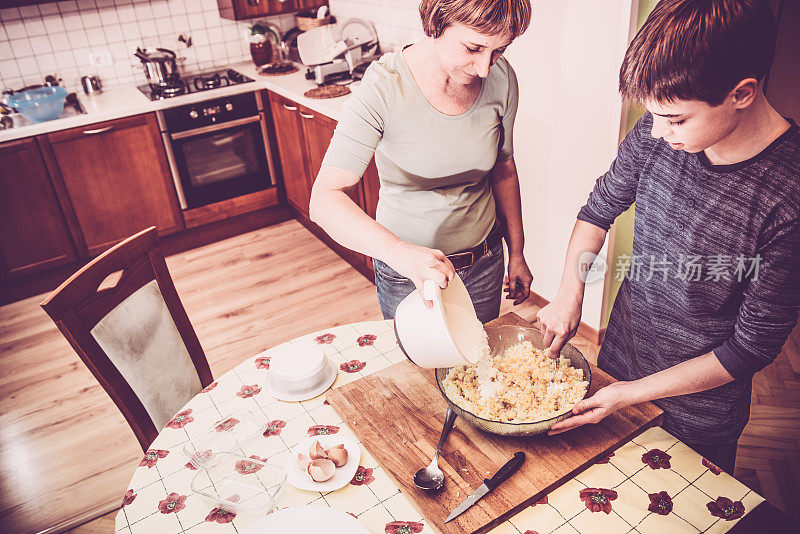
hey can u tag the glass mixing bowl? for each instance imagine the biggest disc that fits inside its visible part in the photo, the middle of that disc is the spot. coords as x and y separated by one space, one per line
41 104
501 338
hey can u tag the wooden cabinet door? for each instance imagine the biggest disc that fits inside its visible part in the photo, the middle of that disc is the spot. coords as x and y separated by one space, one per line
34 235
117 178
318 131
248 9
289 137
371 184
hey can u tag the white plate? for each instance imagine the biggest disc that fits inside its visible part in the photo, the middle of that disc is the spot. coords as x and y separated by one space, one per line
305 519
341 477
333 371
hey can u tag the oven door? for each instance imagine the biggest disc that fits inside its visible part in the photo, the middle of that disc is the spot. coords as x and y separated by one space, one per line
221 161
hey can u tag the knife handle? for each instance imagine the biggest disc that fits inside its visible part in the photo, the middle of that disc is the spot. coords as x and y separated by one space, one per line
505 472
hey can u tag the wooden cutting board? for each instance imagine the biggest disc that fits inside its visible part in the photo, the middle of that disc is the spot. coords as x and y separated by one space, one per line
398 413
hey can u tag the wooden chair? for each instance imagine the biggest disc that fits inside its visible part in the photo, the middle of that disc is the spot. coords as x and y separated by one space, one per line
135 337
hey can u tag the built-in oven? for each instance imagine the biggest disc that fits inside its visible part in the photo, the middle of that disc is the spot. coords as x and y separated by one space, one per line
217 149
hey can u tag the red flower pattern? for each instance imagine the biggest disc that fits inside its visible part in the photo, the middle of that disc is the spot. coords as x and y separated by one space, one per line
246 467
726 509
543 500
181 419
263 362
660 503
403 527
711 467
274 428
322 430
656 459
531 532
366 339
129 497
248 391
209 387
363 476
598 499
219 515
152 456
606 459
353 366
172 504
227 424
325 339
202 456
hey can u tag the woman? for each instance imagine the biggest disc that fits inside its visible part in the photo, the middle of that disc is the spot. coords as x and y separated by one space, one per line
438 117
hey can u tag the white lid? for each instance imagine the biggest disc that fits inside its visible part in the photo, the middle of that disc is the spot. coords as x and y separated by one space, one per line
297 361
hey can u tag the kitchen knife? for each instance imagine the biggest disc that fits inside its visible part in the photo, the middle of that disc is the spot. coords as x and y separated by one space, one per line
489 484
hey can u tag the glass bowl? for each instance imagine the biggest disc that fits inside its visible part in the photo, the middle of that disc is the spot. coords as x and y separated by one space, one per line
41 104
501 338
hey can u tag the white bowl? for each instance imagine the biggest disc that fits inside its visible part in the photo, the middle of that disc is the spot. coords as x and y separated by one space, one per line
299 371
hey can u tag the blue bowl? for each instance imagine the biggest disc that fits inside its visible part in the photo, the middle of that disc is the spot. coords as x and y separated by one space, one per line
41 104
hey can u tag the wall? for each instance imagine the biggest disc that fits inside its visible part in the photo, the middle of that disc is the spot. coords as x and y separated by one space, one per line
568 125
396 21
59 38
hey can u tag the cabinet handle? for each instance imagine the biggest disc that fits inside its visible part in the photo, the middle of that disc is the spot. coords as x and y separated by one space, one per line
253 2
306 116
98 131
290 108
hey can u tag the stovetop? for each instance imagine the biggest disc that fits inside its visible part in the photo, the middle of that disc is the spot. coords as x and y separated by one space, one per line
204 81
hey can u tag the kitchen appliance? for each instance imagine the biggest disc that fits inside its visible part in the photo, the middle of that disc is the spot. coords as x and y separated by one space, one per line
91 85
398 412
160 65
205 81
217 149
332 52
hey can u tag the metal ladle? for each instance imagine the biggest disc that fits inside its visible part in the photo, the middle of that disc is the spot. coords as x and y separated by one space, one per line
431 477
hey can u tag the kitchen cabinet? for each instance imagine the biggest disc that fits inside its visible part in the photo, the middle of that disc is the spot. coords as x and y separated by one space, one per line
34 235
248 9
303 137
115 178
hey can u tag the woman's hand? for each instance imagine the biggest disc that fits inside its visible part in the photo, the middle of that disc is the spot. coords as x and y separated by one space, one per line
592 410
421 263
518 283
558 322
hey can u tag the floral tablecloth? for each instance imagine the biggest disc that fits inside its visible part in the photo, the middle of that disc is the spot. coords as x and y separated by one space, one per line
652 484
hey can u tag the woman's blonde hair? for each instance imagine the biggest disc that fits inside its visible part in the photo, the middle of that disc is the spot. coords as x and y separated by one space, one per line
489 17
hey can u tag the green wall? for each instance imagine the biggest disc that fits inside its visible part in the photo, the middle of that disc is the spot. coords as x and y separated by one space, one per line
623 226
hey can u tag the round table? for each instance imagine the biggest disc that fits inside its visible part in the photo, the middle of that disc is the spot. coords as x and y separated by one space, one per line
654 483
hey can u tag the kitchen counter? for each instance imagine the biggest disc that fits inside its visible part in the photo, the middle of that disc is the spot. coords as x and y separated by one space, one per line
124 101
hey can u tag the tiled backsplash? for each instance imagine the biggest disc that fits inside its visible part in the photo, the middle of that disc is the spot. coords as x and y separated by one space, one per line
396 21
61 37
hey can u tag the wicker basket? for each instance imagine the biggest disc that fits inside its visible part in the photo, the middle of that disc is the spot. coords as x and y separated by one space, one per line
306 23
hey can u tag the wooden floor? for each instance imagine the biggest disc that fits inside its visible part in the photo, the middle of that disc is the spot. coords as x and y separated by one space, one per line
67 455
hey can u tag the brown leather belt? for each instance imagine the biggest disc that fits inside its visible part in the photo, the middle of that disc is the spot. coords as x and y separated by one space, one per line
462 260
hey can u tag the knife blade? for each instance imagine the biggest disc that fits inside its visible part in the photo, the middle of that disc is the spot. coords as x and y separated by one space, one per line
489 484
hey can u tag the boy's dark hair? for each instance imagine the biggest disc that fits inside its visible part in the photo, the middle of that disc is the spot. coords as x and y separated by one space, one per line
698 50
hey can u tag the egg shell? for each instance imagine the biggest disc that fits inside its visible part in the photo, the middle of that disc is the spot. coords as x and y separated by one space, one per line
316 451
337 455
303 461
321 469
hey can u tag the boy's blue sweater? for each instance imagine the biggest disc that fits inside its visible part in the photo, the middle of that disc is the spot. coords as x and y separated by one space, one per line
715 267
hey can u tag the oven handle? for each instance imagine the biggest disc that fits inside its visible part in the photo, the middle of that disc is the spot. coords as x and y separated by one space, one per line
215 127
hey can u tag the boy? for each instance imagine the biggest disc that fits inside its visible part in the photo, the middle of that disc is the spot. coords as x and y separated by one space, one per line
713 287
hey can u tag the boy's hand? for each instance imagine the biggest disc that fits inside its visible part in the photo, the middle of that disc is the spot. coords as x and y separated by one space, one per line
592 410
518 281
558 322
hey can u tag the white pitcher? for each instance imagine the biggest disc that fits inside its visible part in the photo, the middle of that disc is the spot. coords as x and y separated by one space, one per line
439 336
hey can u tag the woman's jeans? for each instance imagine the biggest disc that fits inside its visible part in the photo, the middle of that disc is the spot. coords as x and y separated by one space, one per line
484 281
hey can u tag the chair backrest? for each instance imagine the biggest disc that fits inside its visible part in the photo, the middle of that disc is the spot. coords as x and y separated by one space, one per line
135 337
